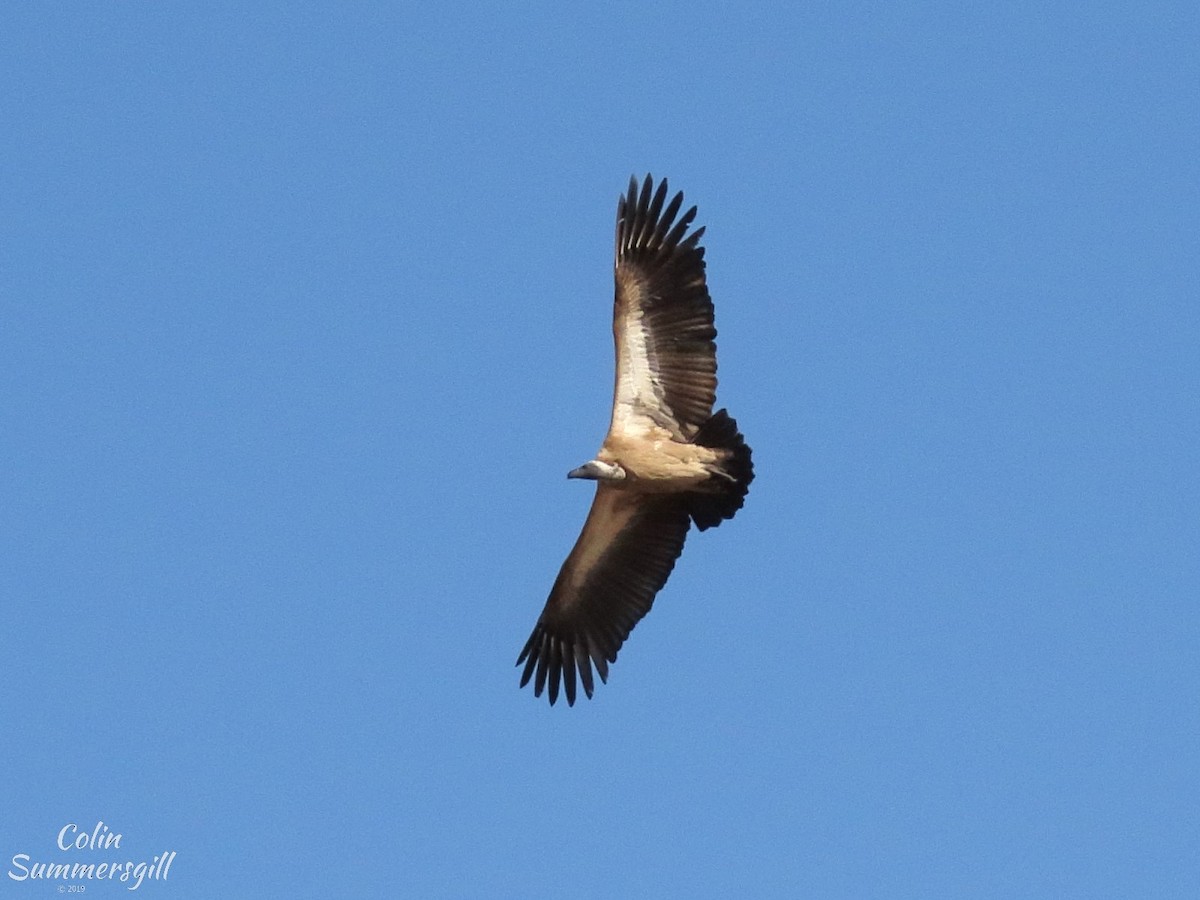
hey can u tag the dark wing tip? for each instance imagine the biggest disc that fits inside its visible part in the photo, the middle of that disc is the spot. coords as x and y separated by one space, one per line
559 664
644 227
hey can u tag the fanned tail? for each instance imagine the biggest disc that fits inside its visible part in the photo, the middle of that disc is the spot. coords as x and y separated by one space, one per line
724 493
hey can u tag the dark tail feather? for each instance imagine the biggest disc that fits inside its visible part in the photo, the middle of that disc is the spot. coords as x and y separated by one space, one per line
722 495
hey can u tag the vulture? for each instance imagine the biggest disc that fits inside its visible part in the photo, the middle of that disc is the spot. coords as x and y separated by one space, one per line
666 462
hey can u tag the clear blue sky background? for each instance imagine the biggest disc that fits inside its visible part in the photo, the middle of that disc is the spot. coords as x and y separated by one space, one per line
305 316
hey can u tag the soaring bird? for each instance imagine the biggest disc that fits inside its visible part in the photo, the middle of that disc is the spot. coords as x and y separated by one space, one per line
666 462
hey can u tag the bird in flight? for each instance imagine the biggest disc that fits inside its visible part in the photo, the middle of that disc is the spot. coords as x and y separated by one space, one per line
666 462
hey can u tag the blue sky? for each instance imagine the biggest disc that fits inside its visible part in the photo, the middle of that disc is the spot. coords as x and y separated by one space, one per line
306 316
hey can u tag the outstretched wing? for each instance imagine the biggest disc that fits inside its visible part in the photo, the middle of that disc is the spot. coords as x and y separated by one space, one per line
624 554
662 319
